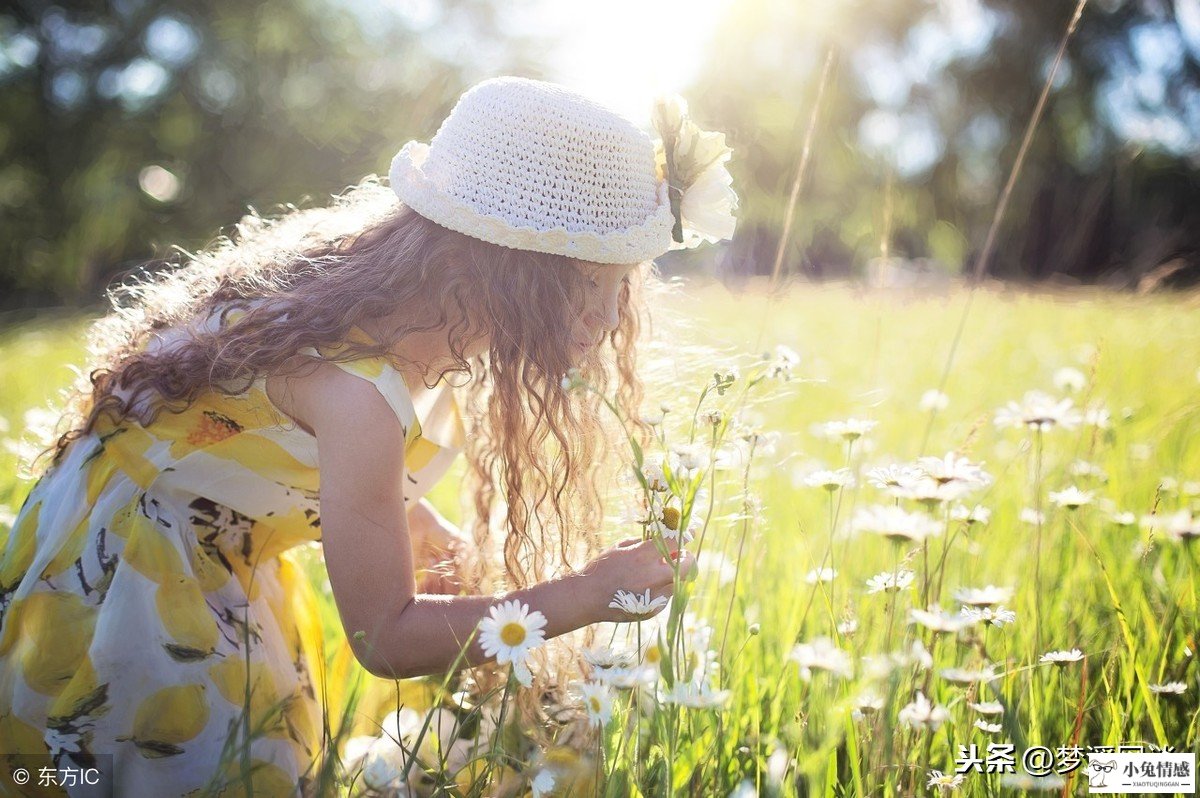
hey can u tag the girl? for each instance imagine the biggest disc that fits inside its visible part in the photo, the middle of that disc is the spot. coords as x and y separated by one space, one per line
294 387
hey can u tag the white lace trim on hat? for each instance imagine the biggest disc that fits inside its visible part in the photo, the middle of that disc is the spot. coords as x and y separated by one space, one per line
630 245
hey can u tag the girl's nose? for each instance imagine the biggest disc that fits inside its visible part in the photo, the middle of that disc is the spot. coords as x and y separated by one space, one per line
610 317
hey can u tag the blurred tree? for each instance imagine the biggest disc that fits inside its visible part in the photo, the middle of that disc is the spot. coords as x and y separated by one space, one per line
922 119
132 125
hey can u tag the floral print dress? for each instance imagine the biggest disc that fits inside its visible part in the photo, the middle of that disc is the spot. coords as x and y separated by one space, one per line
148 597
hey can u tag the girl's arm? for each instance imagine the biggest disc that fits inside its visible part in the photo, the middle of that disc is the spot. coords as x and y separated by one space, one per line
394 631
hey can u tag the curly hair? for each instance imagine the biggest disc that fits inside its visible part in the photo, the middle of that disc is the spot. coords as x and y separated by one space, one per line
536 451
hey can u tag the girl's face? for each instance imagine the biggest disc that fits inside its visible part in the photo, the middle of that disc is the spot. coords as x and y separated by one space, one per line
599 315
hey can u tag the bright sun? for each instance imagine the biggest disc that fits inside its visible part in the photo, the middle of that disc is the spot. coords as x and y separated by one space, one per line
625 52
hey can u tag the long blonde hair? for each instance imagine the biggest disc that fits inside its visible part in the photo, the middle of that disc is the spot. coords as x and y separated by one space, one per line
537 453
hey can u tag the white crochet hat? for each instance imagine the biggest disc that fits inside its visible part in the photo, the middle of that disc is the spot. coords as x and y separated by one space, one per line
533 165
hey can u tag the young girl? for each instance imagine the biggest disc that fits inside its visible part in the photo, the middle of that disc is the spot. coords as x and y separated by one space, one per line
295 387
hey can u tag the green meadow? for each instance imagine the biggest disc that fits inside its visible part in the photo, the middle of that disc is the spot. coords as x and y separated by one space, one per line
811 674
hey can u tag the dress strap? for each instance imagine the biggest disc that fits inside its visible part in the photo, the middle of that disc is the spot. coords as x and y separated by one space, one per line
433 416
433 427
386 379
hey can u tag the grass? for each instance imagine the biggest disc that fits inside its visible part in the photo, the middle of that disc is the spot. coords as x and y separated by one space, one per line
1124 595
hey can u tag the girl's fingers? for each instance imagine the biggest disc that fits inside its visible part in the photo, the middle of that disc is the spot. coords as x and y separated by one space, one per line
666 568
666 591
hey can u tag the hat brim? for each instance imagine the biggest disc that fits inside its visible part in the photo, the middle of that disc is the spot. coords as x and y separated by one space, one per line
630 245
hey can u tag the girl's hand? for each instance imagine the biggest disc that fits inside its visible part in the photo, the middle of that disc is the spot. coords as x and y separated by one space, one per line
438 551
439 563
633 565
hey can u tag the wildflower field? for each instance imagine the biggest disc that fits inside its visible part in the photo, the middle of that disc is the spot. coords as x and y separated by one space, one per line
923 548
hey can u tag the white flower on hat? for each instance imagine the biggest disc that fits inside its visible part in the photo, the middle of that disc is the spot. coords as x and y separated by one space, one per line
708 204
692 162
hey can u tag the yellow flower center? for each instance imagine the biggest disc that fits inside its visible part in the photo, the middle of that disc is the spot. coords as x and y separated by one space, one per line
595 704
652 655
512 633
670 518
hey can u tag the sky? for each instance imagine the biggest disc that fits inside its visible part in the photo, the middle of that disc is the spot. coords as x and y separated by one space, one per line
625 52
622 53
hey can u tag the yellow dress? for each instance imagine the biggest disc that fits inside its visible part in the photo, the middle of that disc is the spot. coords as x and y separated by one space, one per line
147 586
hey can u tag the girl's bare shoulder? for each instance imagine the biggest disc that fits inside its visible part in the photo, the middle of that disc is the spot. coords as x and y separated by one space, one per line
317 394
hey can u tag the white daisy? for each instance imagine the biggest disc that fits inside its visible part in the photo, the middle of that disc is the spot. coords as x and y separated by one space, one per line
821 654
921 714
816 576
1097 416
975 515
696 695
782 363
944 782
509 632
665 521
1082 468
868 702
830 480
1069 380
953 468
652 417
690 456
849 430
930 492
1062 658
597 700
1038 410
764 441
733 456
1032 516
989 728
919 655
1170 688
996 616
983 596
627 678
603 657
1123 518
940 621
987 707
933 399
635 606
895 523
655 476
890 582
1072 498
894 476
1180 526
383 766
